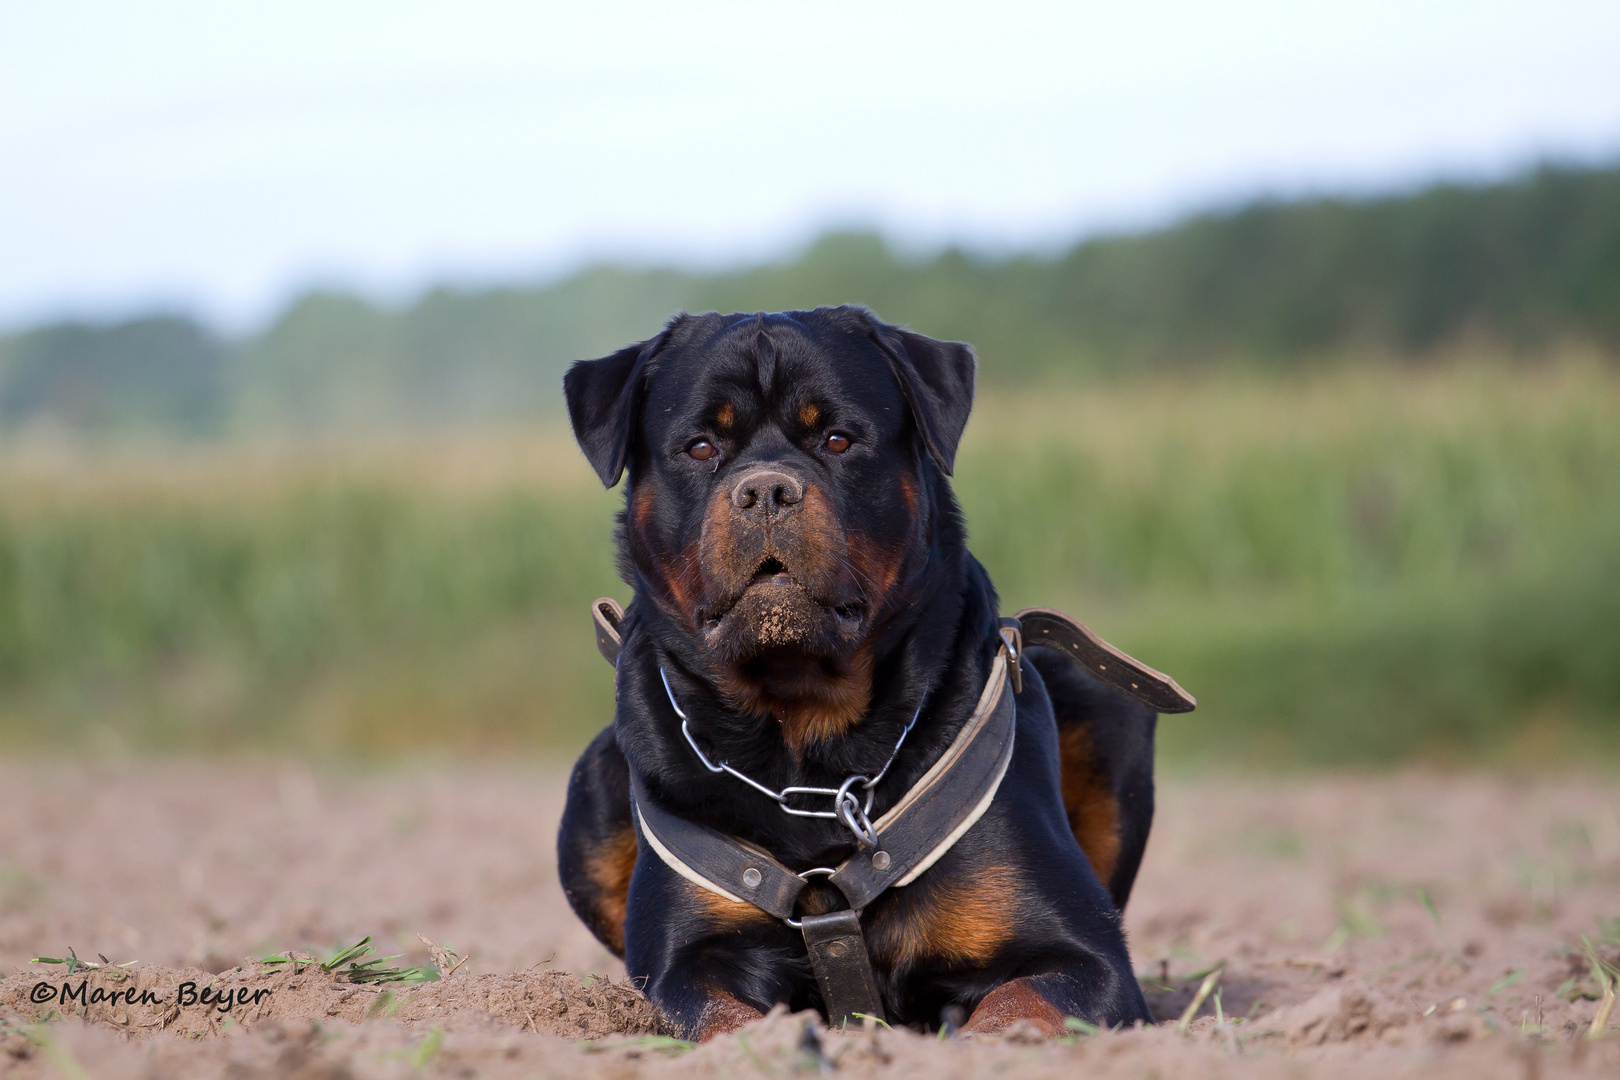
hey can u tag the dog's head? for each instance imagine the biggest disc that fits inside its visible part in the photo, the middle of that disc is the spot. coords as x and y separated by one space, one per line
785 486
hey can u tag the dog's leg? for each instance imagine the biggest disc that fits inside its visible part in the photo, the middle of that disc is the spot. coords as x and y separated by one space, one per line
1106 743
723 1015
597 854
695 1008
1047 1001
596 844
1011 1002
710 964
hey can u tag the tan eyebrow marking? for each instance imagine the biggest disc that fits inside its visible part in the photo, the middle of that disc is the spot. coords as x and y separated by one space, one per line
809 413
726 416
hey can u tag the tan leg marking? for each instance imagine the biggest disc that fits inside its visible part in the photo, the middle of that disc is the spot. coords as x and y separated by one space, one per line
962 922
609 870
1093 811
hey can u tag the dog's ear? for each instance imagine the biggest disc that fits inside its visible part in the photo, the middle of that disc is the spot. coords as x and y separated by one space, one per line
937 380
604 399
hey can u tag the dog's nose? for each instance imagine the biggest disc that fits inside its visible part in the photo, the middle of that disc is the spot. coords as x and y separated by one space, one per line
767 492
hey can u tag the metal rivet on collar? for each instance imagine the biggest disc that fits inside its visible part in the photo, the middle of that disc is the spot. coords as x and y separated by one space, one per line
880 860
752 878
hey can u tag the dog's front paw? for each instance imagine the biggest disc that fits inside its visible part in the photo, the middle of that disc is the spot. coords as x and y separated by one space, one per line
1009 1004
725 1014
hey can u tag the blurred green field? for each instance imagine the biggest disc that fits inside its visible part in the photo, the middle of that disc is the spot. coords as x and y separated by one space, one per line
1355 564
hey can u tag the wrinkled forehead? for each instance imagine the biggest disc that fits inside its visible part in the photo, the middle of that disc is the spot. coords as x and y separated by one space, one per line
774 361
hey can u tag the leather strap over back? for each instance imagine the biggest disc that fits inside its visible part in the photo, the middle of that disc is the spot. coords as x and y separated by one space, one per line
1131 677
843 967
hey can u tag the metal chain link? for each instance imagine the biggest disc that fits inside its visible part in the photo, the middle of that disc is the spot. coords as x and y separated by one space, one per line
847 806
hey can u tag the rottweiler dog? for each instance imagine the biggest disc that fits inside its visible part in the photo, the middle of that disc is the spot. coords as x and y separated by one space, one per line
802 579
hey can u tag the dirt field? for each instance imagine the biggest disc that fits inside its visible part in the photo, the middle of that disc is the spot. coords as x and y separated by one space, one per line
1409 925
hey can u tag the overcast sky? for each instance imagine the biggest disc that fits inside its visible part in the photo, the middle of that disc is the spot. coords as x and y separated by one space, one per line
219 157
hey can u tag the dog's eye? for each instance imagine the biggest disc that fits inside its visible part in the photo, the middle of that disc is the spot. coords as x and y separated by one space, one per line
702 450
836 443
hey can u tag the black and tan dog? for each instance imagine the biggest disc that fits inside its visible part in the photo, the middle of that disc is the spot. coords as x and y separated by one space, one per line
803 586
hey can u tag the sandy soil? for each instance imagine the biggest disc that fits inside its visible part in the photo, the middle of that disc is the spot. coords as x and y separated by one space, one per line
1309 890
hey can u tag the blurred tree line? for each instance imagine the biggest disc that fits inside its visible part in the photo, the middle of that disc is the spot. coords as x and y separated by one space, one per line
1517 266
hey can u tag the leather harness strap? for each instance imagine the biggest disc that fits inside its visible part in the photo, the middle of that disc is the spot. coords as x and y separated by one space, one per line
1131 677
920 828
722 864
843 967
944 804
606 615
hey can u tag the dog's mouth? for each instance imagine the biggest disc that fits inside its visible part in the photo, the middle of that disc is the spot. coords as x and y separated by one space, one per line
770 572
774 593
